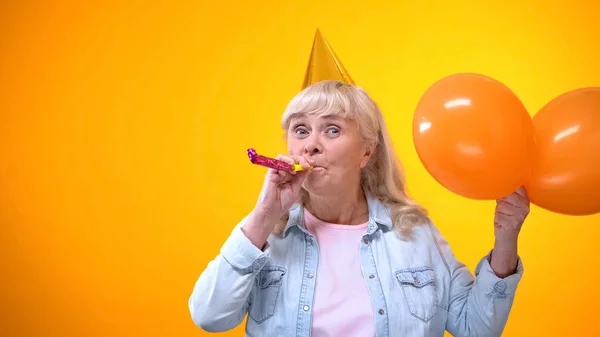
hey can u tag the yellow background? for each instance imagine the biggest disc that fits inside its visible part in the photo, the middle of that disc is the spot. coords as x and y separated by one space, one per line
123 131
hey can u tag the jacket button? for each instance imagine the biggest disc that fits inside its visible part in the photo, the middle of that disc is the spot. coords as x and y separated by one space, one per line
371 276
310 275
381 312
306 307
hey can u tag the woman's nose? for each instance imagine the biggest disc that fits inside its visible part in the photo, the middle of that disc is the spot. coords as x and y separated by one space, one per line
312 146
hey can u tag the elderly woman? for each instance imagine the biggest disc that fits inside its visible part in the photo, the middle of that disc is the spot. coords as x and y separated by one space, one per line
341 250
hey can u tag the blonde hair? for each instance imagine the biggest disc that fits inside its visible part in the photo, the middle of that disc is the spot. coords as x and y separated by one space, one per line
383 177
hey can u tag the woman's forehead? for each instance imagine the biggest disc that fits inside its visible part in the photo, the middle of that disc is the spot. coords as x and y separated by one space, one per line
305 116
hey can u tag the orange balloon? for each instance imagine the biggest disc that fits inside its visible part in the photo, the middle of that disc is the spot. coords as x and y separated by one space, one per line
474 136
566 172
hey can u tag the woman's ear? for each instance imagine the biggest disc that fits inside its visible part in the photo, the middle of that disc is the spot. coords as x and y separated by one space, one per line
368 153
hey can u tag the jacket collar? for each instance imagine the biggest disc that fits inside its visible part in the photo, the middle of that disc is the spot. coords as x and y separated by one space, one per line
379 216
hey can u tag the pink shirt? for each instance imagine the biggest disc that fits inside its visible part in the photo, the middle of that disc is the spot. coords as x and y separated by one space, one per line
342 304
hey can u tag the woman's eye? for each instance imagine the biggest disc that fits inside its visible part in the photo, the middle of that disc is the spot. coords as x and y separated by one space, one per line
301 131
333 131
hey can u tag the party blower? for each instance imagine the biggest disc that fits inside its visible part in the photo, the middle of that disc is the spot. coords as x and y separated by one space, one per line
273 163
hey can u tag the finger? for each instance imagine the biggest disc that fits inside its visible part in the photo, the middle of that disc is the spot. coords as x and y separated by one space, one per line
302 161
273 175
507 222
502 220
283 174
505 208
522 192
510 214
277 177
515 199
286 159
289 160
285 177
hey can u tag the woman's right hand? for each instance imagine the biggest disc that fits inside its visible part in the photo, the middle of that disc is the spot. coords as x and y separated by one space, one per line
280 191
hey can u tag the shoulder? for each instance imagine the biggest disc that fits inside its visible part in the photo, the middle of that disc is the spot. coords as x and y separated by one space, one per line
423 244
424 232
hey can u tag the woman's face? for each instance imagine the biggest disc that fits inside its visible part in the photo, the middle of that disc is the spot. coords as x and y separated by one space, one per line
333 146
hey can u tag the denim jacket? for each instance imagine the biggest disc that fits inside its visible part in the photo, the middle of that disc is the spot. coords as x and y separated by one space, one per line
417 286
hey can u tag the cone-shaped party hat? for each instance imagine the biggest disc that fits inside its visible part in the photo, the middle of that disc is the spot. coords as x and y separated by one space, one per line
324 64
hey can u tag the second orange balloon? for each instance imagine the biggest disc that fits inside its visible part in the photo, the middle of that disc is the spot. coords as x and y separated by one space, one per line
566 173
474 136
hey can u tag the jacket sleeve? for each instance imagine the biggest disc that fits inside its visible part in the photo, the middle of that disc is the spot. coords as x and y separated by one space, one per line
219 299
478 305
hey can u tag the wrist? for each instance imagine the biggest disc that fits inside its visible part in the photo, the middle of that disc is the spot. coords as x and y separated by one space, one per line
264 216
258 227
504 257
506 243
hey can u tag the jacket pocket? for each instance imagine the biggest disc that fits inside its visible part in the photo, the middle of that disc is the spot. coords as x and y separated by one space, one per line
263 297
419 289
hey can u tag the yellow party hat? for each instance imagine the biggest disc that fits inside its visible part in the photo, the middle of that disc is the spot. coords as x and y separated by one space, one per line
324 64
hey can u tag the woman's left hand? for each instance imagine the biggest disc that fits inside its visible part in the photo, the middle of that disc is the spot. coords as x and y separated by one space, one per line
511 212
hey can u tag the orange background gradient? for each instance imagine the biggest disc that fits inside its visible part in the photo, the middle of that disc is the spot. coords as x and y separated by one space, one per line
124 126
